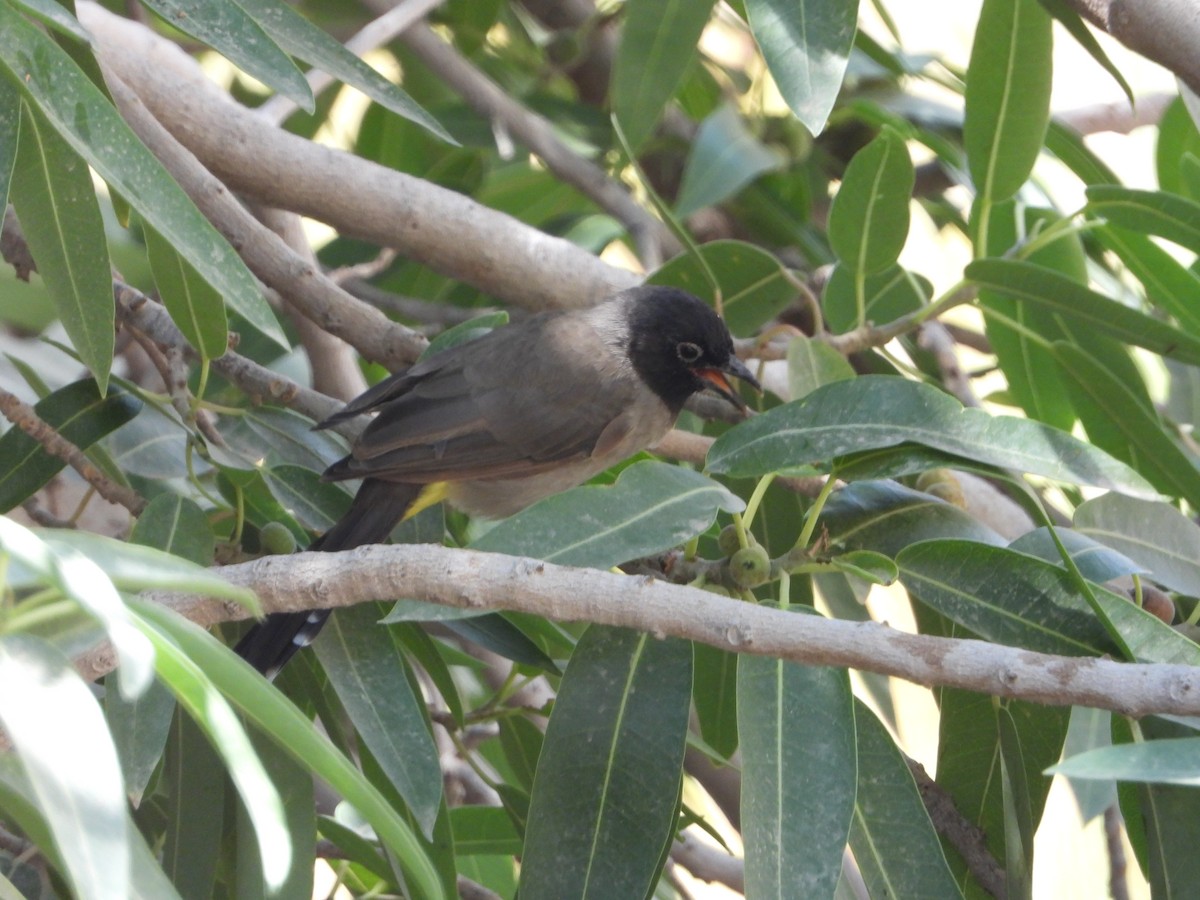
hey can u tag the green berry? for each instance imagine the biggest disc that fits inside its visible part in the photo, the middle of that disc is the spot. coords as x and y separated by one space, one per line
750 567
277 539
728 541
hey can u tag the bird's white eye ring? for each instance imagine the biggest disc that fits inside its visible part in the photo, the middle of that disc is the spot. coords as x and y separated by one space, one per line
689 352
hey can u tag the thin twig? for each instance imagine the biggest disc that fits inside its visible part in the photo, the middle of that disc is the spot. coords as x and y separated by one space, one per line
26 418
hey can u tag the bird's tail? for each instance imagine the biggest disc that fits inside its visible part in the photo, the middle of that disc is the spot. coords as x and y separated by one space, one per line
377 508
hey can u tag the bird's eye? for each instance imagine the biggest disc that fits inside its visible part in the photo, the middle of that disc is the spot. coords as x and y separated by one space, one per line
689 352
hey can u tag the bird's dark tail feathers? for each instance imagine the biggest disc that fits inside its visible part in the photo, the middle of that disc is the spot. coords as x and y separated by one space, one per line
377 508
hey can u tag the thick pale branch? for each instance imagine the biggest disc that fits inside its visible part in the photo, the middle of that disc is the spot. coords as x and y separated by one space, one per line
1164 31
473 580
446 231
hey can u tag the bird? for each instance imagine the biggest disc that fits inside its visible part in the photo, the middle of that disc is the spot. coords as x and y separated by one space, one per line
528 410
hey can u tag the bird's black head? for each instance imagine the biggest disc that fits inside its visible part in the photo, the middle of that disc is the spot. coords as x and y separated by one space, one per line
679 346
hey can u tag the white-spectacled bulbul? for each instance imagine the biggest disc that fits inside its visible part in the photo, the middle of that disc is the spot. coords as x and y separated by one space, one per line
524 412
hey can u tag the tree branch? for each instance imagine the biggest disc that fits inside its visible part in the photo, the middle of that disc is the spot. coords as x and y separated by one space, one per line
483 581
440 228
1164 31
536 133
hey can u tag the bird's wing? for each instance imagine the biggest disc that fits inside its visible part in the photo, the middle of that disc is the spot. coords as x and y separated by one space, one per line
517 402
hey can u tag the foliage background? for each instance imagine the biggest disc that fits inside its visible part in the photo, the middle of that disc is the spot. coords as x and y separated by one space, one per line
1035 282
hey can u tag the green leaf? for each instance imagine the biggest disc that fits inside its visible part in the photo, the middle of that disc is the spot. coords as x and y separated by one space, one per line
1007 96
754 287
10 131
211 711
229 29
866 565
1062 295
62 741
1152 533
868 222
1019 823
714 692
1177 136
607 787
521 741
886 517
195 306
651 507
194 781
495 632
177 526
365 665
287 726
484 830
872 412
893 840
814 363
315 503
56 203
1095 561
79 414
1090 729
296 789
134 568
723 159
83 115
1068 145
969 762
275 436
304 40
1129 428
658 42
1173 761
1078 29
1151 212
1169 285
1019 332
139 730
806 47
81 580
879 298
1004 596
1169 815
796 725
57 16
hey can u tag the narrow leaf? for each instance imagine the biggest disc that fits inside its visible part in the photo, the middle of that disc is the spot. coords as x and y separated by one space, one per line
1174 761
1152 533
724 158
1007 96
796 725
1131 429
1003 596
1062 295
79 414
366 667
10 131
607 786
658 42
814 363
54 198
285 724
228 29
872 412
868 222
806 47
195 306
176 525
83 115
1150 212
893 840
304 40
651 507
70 763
